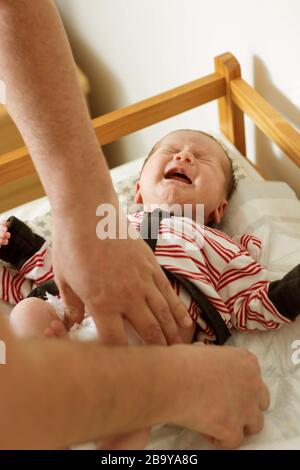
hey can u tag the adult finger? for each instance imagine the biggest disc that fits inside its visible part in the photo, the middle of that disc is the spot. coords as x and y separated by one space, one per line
264 398
232 440
177 309
145 323
160 308
256 424
110 326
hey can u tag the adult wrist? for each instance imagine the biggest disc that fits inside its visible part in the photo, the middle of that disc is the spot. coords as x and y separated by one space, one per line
186 369
171 379
154 379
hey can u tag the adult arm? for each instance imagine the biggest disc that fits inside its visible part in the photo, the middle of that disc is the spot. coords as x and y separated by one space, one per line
44 100
100 396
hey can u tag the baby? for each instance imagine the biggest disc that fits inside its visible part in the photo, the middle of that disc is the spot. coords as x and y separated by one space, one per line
184 167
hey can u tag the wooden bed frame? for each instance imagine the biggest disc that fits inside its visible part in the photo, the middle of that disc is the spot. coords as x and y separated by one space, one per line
235 97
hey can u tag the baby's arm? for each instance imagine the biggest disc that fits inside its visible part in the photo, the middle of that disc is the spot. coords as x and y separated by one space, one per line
285 294
9 278
4 234
18 243
244 287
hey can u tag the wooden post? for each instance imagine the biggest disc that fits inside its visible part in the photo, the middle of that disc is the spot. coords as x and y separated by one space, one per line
230 116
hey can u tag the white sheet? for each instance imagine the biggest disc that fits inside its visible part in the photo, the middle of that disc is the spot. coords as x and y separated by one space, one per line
274 350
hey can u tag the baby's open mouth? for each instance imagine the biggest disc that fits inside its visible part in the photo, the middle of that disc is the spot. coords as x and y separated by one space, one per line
177 175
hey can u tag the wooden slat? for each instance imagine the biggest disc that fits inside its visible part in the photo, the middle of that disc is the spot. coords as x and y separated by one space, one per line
230 116
20 191
14 165
114 125
121 122
267 119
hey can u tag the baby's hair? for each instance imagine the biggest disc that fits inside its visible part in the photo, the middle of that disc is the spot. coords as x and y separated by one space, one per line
231 181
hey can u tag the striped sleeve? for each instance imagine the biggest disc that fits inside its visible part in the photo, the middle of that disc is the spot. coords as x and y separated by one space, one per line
250 243
16 285
39 267
13 286
243 286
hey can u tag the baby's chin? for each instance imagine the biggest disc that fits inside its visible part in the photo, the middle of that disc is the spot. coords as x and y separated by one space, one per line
172 194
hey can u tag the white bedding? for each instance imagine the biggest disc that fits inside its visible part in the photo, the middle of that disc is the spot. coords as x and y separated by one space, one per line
281 240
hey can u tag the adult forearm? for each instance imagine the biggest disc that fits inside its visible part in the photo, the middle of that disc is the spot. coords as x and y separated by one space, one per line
45 101
70 393
55 393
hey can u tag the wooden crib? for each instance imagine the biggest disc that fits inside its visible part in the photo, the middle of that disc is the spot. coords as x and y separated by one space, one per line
235 97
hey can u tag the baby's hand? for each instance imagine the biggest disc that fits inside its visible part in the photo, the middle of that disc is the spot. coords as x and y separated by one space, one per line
4 234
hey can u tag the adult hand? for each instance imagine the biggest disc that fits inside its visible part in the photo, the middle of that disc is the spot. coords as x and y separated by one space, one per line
114 279
224 396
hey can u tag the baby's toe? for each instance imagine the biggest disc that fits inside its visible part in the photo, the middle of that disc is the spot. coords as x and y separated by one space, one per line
58 328
49 333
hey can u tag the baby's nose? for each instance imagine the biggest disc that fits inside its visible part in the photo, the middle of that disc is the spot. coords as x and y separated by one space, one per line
184 156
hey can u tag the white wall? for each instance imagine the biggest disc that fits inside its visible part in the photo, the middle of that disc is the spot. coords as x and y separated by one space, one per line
133 49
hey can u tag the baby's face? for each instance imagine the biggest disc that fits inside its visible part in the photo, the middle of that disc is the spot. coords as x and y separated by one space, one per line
187 167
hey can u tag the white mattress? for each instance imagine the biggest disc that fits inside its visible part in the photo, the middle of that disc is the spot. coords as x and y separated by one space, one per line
273 349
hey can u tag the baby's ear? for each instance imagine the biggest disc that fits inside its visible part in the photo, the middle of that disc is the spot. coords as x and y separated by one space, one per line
217 215
138 196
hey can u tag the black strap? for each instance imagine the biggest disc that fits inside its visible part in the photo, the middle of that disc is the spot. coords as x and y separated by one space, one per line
41 290
149 228
149 232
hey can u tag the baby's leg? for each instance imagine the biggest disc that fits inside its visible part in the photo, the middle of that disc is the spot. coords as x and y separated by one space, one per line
132 441
33 318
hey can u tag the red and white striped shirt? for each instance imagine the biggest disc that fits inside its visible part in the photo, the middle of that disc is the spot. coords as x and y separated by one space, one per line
16 285
226 270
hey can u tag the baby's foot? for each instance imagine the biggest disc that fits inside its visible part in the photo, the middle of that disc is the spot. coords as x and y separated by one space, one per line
56 329
4 234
